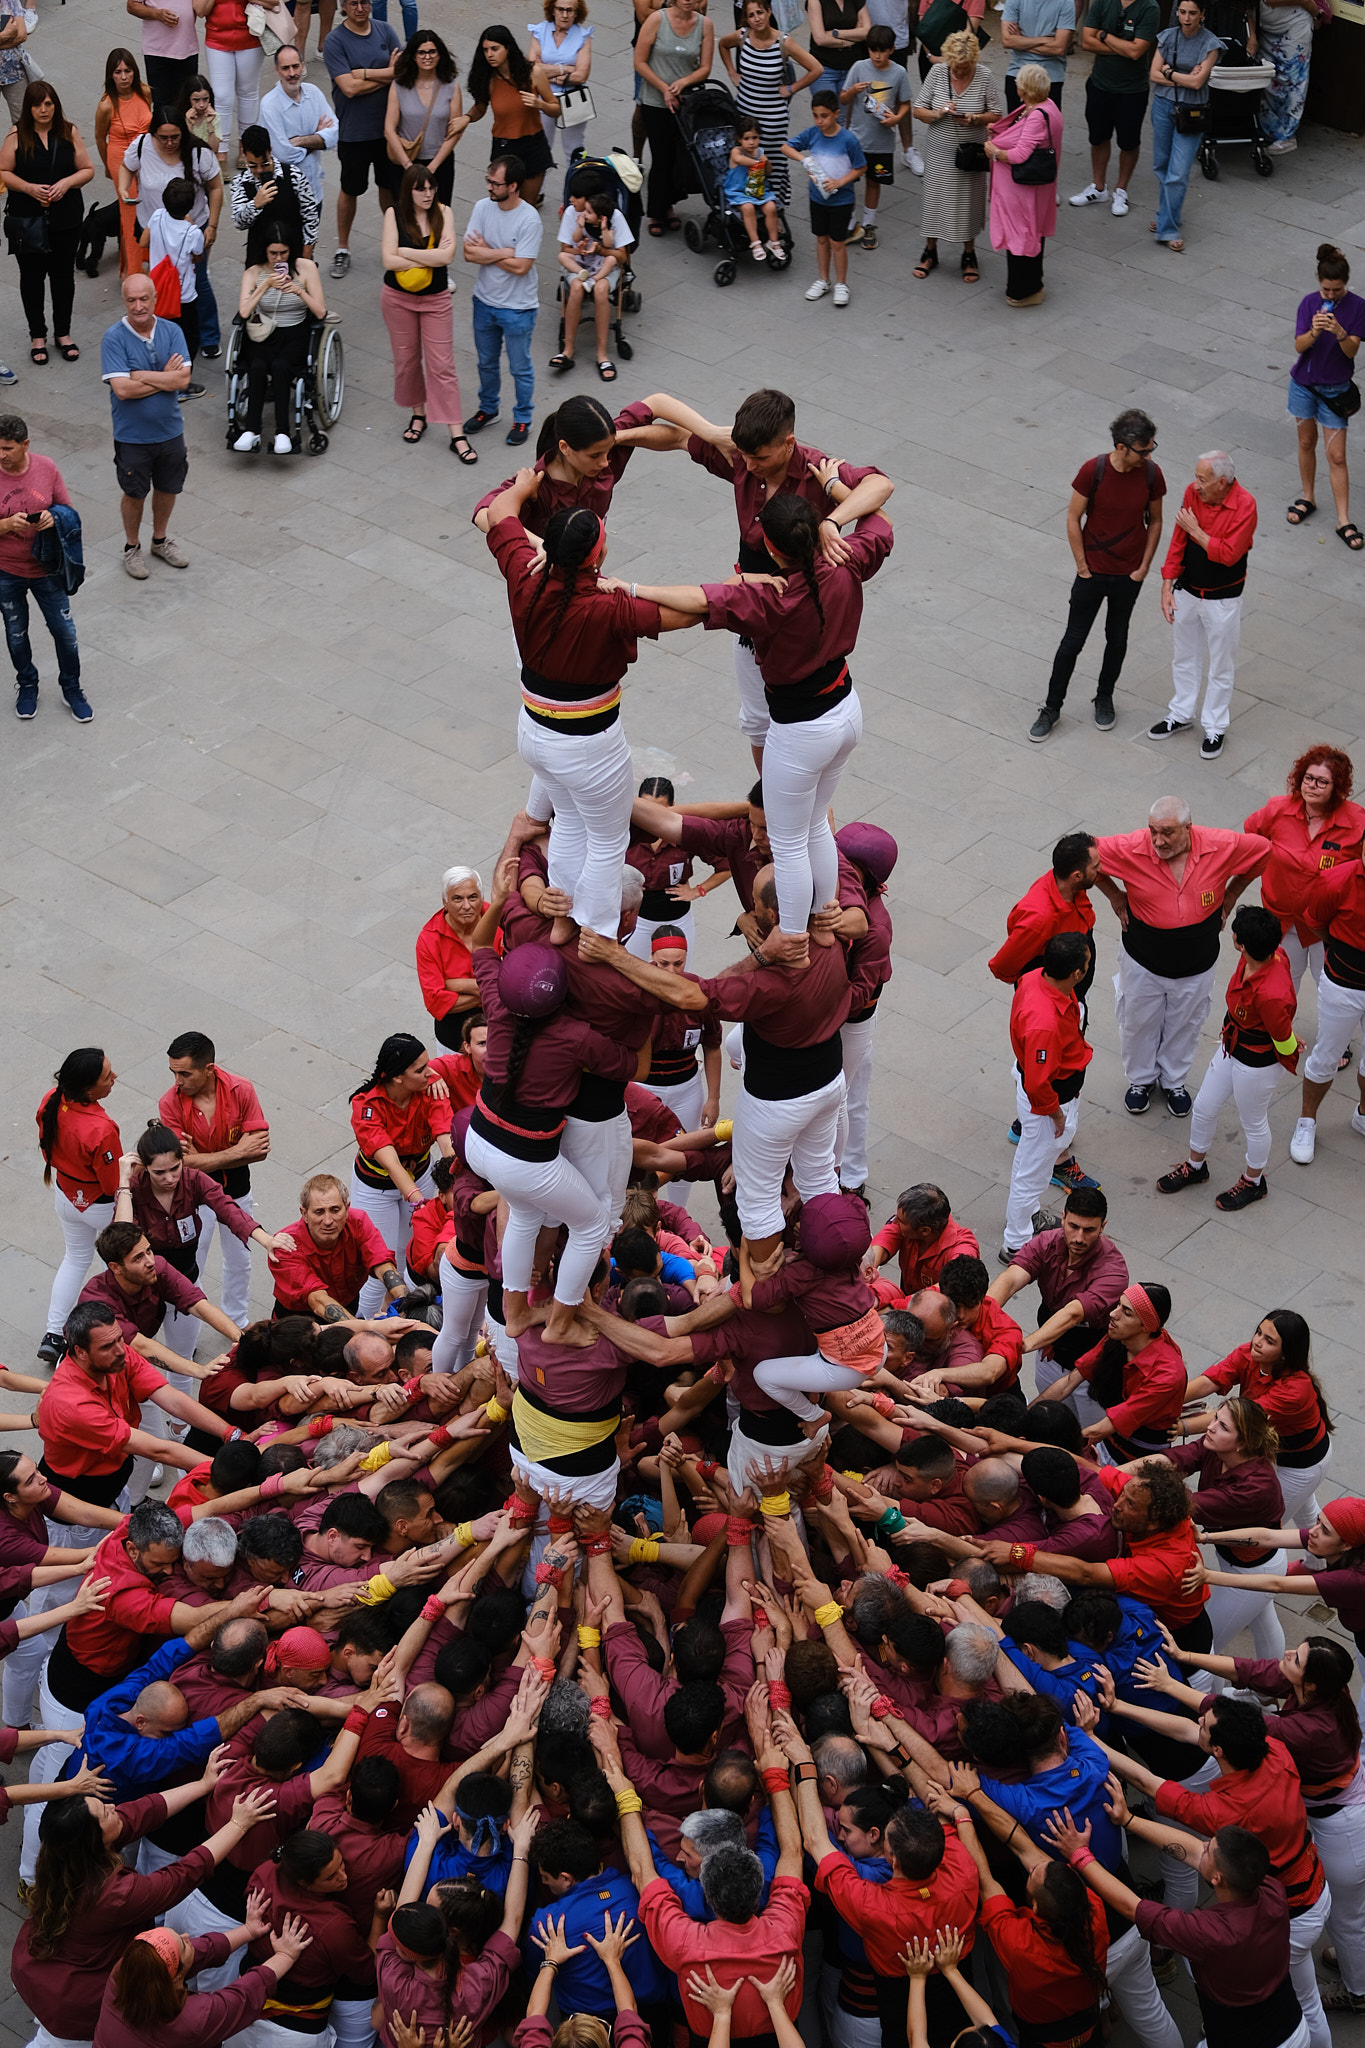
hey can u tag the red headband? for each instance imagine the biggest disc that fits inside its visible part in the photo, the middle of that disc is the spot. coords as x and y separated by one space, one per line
1141 1304
1347 1518
667 942
298 1649
166 1944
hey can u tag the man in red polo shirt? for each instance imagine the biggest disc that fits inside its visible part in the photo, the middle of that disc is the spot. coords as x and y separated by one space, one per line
1051 1056
739 1943
1151 1511
90 1415
923 1235
1181 881
336 1250
218 1119
933 1884
1057 902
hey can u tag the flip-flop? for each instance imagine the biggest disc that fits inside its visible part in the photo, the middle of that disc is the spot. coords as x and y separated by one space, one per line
561 362
1352 535
419 421
1301 509
606 370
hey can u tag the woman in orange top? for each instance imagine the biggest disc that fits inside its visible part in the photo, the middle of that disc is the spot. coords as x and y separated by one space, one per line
519 92
81 1147
124 113
395 1123
1313 829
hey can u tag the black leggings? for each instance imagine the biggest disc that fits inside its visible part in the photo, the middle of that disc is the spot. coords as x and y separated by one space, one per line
56 266
276 361
667 164
1023 275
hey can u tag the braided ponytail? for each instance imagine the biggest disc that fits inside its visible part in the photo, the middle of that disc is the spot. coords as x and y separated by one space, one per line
794 531
570 538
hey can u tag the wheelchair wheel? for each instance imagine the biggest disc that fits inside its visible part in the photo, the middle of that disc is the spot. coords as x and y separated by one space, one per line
331 379
316 445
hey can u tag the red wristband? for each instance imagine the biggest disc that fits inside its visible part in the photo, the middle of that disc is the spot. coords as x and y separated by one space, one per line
779 1694
1022 1555
545 1573
822 1488
738 1529
432 1608
440 1435
320 1425
523 1511
880 1708
896 1577
561 1525
600 1705
883 1404
355 1722
597 1546
545 1666
412 1388
708 1468
775 1780
760 1617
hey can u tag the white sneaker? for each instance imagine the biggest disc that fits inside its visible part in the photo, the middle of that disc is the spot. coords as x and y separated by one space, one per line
283 445
247 444
914 161
818 289
841 294
1282 148
1091 196
1120 205
1304 1142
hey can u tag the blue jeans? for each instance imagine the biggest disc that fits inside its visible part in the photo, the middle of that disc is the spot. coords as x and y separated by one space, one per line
380 12
494 327
55 606
1173 156
210 331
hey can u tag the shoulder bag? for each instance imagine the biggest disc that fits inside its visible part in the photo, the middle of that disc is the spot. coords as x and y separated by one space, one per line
1040 165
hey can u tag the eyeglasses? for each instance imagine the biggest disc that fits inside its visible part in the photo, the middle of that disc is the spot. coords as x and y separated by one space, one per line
1311 781
1133 448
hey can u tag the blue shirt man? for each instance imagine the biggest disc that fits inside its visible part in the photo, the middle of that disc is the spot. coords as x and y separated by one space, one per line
689 1889
145 363
137 1761
1077 1781
582 1983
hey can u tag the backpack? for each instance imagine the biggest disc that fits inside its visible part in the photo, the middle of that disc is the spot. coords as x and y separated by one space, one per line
166 278
1100 460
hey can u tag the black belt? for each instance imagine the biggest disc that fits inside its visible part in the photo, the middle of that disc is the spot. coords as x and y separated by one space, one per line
572 725
369 1175
781 1073
658 907
809 697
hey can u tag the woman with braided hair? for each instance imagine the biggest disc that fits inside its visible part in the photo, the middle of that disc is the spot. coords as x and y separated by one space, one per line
533 1068
396 1124
576 637
803 623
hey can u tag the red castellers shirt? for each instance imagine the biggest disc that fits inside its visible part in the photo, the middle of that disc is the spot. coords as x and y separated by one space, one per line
1038 916
920 1266
1258 1028
1297 861
1045 1034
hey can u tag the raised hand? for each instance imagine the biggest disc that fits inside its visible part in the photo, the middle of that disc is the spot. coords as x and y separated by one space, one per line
549 1939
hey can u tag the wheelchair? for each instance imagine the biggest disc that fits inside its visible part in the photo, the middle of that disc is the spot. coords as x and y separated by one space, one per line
315 402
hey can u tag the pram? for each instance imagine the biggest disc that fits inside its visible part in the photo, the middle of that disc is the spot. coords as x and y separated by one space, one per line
1236 89
625 296
710 120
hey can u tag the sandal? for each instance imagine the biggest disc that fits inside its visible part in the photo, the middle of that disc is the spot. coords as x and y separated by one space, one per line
419 422
606 370
1175 245
459 445
971 270
38 353
68 351
1301 509
928 260
656 227
673 224
1352 535
561 362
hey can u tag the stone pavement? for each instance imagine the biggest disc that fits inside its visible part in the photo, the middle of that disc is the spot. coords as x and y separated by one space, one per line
296 735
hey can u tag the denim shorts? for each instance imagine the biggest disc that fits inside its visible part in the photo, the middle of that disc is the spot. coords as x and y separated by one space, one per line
1306 405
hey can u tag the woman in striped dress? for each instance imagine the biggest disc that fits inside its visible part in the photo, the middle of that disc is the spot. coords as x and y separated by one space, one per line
756 58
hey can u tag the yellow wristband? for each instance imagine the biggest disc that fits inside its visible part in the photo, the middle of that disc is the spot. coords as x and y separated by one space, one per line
495 1411
826 1616
589 1638
379 1588
857 1477
1288 1045
380 1455
481 1348
776 1503
643 1550
629 1801
464 1534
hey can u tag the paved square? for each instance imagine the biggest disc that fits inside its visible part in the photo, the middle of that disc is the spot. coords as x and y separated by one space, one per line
297 734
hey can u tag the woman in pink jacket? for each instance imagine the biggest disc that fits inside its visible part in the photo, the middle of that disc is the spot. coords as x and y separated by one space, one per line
1023 216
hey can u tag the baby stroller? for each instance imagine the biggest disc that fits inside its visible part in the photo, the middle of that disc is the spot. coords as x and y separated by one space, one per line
1236 89
609 178
710 120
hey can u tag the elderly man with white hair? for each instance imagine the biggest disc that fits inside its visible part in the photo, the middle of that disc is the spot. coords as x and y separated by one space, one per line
1179 884
444 967
1202 580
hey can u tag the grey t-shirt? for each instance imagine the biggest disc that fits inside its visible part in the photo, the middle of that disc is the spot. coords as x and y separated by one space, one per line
360 119
519 230
1185 54
890 89
1039 18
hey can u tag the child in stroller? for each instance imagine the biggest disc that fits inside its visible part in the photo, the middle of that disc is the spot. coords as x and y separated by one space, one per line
746 185
711 124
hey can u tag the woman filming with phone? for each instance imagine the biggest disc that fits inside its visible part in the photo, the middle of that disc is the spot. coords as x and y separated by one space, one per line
281 296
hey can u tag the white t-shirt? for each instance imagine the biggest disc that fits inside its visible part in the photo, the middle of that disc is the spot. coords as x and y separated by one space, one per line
620 233
519 229
182 242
